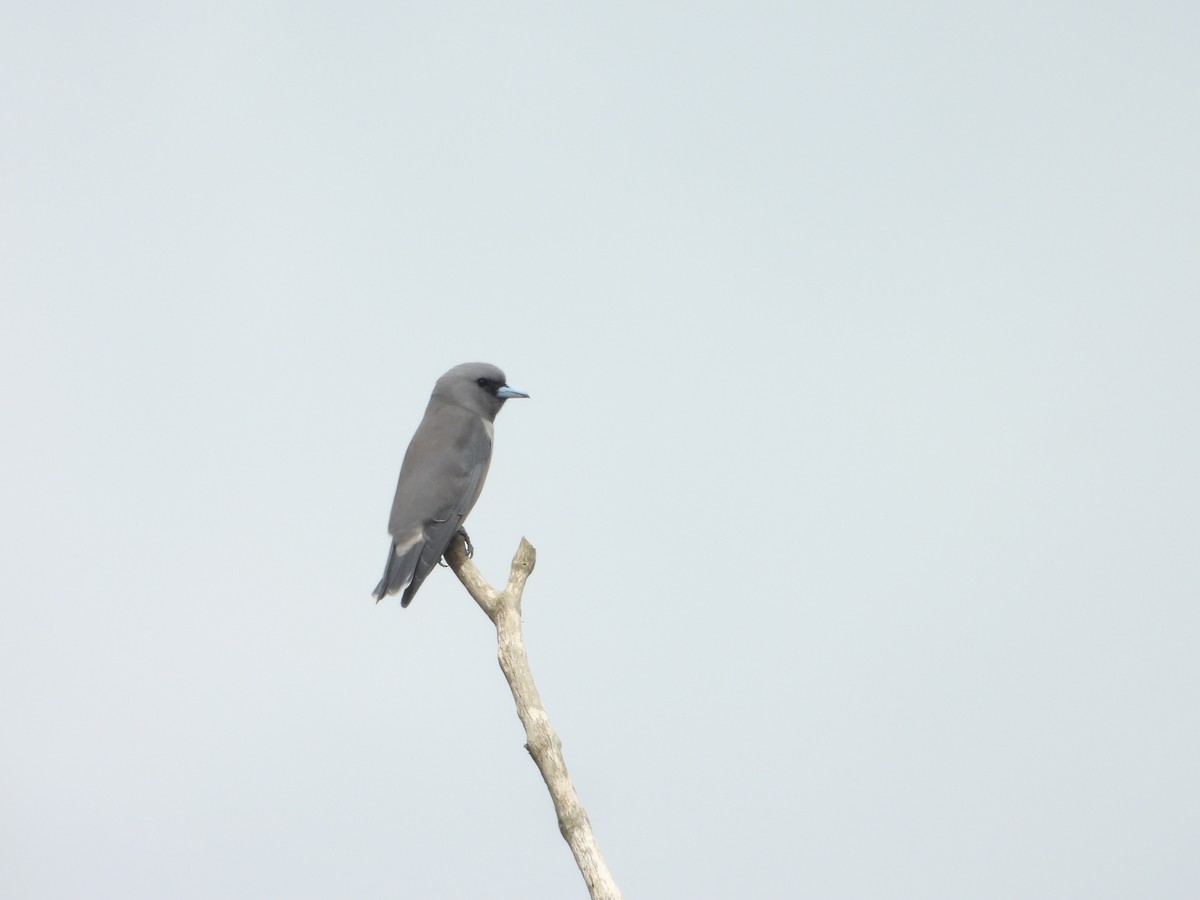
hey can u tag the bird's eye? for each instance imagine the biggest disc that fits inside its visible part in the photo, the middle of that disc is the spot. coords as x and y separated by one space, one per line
482 382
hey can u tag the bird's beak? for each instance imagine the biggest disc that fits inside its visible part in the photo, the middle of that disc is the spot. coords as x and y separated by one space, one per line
507 392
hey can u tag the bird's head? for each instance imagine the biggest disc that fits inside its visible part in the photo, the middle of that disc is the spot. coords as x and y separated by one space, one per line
478 387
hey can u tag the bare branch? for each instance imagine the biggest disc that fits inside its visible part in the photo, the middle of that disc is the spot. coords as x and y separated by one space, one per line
504 609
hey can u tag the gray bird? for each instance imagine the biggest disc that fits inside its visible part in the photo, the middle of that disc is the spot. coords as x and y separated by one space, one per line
443 473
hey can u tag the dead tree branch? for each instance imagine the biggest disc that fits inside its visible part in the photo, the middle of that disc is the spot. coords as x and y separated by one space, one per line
504 609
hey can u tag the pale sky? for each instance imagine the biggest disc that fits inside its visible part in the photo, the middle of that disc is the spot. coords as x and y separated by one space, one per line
860 459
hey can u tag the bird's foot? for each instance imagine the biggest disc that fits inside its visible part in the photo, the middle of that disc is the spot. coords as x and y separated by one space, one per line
462 532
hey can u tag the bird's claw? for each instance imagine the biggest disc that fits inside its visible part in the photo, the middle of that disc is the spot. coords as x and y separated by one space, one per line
462 532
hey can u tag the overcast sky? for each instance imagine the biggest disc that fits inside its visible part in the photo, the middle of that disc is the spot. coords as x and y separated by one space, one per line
860 459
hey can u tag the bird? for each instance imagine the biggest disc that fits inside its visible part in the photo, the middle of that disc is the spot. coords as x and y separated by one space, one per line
443 473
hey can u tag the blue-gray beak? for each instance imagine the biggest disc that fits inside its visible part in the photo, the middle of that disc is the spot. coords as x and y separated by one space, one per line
508 392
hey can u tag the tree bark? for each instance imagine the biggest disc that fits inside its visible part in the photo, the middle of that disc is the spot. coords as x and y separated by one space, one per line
504 609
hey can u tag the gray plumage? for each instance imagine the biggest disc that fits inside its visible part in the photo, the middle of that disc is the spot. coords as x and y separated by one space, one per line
443 473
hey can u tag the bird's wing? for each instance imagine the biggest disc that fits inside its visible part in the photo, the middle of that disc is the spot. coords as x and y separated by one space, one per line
442 477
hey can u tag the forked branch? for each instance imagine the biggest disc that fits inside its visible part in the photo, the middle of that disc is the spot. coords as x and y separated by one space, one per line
504 609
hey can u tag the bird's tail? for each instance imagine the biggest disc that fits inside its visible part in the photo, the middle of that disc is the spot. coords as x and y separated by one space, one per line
398 572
